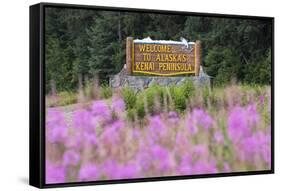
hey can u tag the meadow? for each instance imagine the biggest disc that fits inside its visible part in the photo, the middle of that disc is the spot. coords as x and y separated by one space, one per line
161 131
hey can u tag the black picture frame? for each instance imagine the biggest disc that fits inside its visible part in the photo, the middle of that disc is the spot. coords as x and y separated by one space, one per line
37 93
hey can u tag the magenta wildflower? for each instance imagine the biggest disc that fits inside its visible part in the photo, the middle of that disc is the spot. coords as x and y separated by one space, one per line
101 109
128 171
226 167
118 105
91 138
110 169
88 172
253 115
237 124
57 134
71 157
144 159
54 173
56 126
161 158
75 141
173 117
198 118
111 133
185 167
200 150
240 122
157 127
202 118
84 120
204 167
55 118
218 136
255 147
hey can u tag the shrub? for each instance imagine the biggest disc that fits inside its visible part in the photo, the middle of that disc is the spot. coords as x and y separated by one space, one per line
153 94
106 91
91 90
178 96
188 89
129 97
131 113
140 111
66 98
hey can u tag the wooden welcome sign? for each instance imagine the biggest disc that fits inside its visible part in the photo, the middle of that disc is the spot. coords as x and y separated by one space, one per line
162 58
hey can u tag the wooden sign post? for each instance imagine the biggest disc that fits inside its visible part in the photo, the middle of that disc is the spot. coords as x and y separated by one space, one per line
129 43
197 57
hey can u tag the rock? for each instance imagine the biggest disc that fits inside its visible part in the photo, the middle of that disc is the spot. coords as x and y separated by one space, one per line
138 83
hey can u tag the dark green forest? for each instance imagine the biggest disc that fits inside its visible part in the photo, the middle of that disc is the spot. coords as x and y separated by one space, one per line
88 44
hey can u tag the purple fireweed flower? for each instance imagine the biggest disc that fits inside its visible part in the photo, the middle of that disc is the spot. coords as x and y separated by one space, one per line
226 167
144 158
118 105
173 114
117 125
240 122
161 158
75 141
91 138
110 169
54 173
101 109
57 134
218 136
255 147
201 166
56 126
185 166
157 127
237 124
200 151
198 118
84 120
253 115
128 171
173 117
55 118
111 132
204 167
136 133
202 118
71 157
88 172
261 99
181 139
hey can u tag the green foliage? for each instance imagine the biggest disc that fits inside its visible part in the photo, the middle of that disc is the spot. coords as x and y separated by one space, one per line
62 99
106 91
152 95
140 111
179 99
259 70
129 97
131 113
91 90
151 100
188 89
67 98
222 63
181 94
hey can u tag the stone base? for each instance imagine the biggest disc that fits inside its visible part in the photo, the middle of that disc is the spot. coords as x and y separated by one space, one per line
141 82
